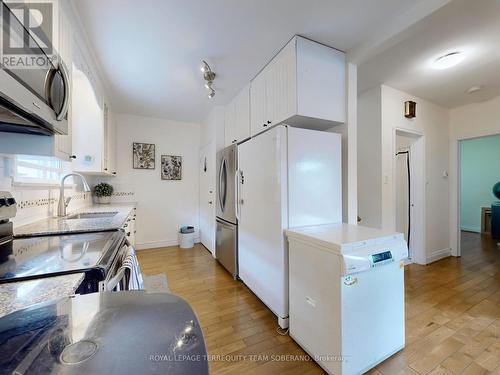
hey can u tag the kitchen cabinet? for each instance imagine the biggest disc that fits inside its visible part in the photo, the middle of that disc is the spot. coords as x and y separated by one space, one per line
63 145
130 227
303 85
237 118
109 152
229 123
93 124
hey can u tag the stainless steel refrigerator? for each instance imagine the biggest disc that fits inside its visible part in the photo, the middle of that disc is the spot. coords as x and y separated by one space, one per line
226 239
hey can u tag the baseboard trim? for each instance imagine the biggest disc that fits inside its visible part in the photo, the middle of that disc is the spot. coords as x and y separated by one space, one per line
157 244
439 254
471 229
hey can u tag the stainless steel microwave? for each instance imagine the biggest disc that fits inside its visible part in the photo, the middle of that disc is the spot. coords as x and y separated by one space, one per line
33 100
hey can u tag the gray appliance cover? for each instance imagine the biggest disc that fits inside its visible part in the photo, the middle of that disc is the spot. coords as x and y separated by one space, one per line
129 332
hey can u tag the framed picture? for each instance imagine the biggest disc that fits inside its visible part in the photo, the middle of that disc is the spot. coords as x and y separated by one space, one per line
143 155
171 167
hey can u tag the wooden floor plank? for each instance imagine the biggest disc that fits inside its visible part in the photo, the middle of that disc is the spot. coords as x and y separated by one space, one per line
452 315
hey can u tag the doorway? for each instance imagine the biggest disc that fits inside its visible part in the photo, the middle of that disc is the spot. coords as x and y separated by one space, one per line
410 192
207 196
479 171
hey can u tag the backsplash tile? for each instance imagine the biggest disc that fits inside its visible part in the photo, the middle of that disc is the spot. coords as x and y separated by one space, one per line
37 204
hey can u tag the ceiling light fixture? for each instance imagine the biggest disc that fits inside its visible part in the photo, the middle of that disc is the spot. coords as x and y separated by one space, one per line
208 76
448 60
474 89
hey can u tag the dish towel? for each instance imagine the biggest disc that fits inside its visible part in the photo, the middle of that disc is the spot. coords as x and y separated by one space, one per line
128 276
133 275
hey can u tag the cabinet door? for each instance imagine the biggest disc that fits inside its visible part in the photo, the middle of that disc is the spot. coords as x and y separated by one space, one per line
258 104
283 83
242 112
105 151
229 123
63 143
111 142
270 88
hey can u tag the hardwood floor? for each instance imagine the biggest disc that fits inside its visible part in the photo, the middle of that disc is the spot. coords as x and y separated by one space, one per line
452 315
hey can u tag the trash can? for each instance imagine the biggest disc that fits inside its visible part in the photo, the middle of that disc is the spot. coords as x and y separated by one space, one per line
186 237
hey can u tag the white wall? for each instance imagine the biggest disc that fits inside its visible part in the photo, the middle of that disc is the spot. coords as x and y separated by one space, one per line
431 123
370 158
162 206
470 121
212 129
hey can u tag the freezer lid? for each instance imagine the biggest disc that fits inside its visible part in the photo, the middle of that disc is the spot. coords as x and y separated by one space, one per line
129 332
342 238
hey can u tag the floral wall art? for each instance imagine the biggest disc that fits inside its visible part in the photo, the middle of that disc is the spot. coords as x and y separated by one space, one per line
171 167
143 155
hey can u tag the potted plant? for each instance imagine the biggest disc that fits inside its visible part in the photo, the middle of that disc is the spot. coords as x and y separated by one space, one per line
103 192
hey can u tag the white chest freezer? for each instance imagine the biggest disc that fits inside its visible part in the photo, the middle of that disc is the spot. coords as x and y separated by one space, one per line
347 295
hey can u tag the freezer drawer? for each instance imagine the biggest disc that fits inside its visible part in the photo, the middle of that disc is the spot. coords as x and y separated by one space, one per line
226 246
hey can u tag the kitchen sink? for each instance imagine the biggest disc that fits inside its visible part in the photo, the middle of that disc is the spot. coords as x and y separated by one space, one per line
91 215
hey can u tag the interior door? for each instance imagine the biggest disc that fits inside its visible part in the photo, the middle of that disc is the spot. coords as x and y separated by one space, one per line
207 196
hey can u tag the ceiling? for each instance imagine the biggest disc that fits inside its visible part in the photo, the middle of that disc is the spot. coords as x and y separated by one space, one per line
471 27
150 51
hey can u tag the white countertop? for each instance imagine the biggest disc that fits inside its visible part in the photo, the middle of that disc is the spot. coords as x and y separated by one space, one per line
62 225
336 236
22 294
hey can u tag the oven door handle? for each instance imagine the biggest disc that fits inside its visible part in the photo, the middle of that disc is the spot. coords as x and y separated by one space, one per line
114 281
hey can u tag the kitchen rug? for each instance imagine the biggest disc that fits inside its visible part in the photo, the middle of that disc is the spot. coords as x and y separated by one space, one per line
156 283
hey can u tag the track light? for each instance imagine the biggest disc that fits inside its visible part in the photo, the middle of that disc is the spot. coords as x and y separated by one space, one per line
208 76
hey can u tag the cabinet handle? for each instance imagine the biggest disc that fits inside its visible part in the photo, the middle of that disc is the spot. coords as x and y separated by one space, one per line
234 140
269 122
72 157
264 125
128 234
105 169
125 225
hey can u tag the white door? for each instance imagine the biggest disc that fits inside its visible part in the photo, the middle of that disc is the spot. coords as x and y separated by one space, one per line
207 196
263 263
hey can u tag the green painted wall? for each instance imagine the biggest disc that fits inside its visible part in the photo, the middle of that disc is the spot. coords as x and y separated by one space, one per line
479 171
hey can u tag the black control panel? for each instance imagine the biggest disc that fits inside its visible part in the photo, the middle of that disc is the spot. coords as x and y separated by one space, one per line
381 258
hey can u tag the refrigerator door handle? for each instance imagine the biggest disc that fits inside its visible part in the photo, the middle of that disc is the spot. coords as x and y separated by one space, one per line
222 185
237 195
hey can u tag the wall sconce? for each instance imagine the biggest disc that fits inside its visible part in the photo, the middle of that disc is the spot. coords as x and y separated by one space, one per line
410 109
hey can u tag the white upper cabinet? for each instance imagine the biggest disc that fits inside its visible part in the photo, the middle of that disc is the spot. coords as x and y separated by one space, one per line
258 104
63 146
304 86
110 141
237 118
229 123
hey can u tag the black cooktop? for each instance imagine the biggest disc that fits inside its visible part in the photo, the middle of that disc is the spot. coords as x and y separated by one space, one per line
127 332
35 257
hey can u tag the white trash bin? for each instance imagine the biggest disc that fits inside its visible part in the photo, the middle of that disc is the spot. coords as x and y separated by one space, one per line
186 240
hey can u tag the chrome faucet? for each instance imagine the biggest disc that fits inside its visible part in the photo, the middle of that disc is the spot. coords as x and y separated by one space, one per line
63 202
